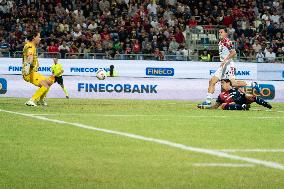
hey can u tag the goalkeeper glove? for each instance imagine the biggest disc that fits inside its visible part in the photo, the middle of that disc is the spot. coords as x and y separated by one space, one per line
26 68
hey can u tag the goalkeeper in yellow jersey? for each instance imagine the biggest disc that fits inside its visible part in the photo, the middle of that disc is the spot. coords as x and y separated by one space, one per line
30 73
57 71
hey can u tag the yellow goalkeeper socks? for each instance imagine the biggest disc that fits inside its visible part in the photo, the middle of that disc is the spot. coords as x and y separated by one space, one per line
44 94
65 91
39 93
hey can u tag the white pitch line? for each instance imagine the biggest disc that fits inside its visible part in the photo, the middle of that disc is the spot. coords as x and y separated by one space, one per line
153 115
252 150
59 114
257 109
159 141
129 115
222 165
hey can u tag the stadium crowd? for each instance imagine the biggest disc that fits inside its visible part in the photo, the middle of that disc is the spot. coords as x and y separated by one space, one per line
156 27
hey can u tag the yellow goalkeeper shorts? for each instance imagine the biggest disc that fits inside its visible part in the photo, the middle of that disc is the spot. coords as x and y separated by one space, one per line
34 78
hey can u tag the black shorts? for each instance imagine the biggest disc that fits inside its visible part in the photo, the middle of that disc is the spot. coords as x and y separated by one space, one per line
241 99
59 80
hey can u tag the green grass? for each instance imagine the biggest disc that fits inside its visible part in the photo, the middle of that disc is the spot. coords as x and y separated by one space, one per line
43 154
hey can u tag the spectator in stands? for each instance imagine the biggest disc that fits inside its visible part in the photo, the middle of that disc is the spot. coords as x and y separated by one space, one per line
260 38
4 46
53 49
164 46
260 56
171 3
241 44
270 56
128 49
231 32
192 23
280 54
167 14
136 47
275 18
118 46
155 42
154 23
76 33
67 22
158 55
173 45
278 39
146 43
104 4
110 51
186 53
228 19
249 32
220 18
256 46
96 36
106 40
152 9
73 53
92 25
63 49
205 56
179 36
248 50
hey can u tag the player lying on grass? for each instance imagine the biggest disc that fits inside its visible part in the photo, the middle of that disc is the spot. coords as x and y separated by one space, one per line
234 99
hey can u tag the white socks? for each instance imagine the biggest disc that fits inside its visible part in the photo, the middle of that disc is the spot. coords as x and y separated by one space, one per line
209 97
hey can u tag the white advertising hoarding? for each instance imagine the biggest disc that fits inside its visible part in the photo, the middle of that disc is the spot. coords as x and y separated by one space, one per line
132 88
274 71
133 68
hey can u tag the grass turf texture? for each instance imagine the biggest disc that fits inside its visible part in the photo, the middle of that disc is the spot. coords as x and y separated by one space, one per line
42 154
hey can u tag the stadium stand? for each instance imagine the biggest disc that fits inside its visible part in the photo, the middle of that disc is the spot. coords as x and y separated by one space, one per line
143 29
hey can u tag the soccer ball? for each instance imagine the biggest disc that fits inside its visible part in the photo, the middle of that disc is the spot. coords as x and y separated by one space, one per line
101 74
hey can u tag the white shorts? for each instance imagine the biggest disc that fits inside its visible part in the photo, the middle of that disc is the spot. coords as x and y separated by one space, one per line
227 73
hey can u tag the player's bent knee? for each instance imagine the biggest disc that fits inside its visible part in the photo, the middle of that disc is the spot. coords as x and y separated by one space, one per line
49 83
213 81
45 83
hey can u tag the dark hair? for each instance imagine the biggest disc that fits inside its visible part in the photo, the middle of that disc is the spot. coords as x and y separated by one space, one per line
32 35
227 81
223 28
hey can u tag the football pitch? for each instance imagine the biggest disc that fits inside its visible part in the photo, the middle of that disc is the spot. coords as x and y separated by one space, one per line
115 144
